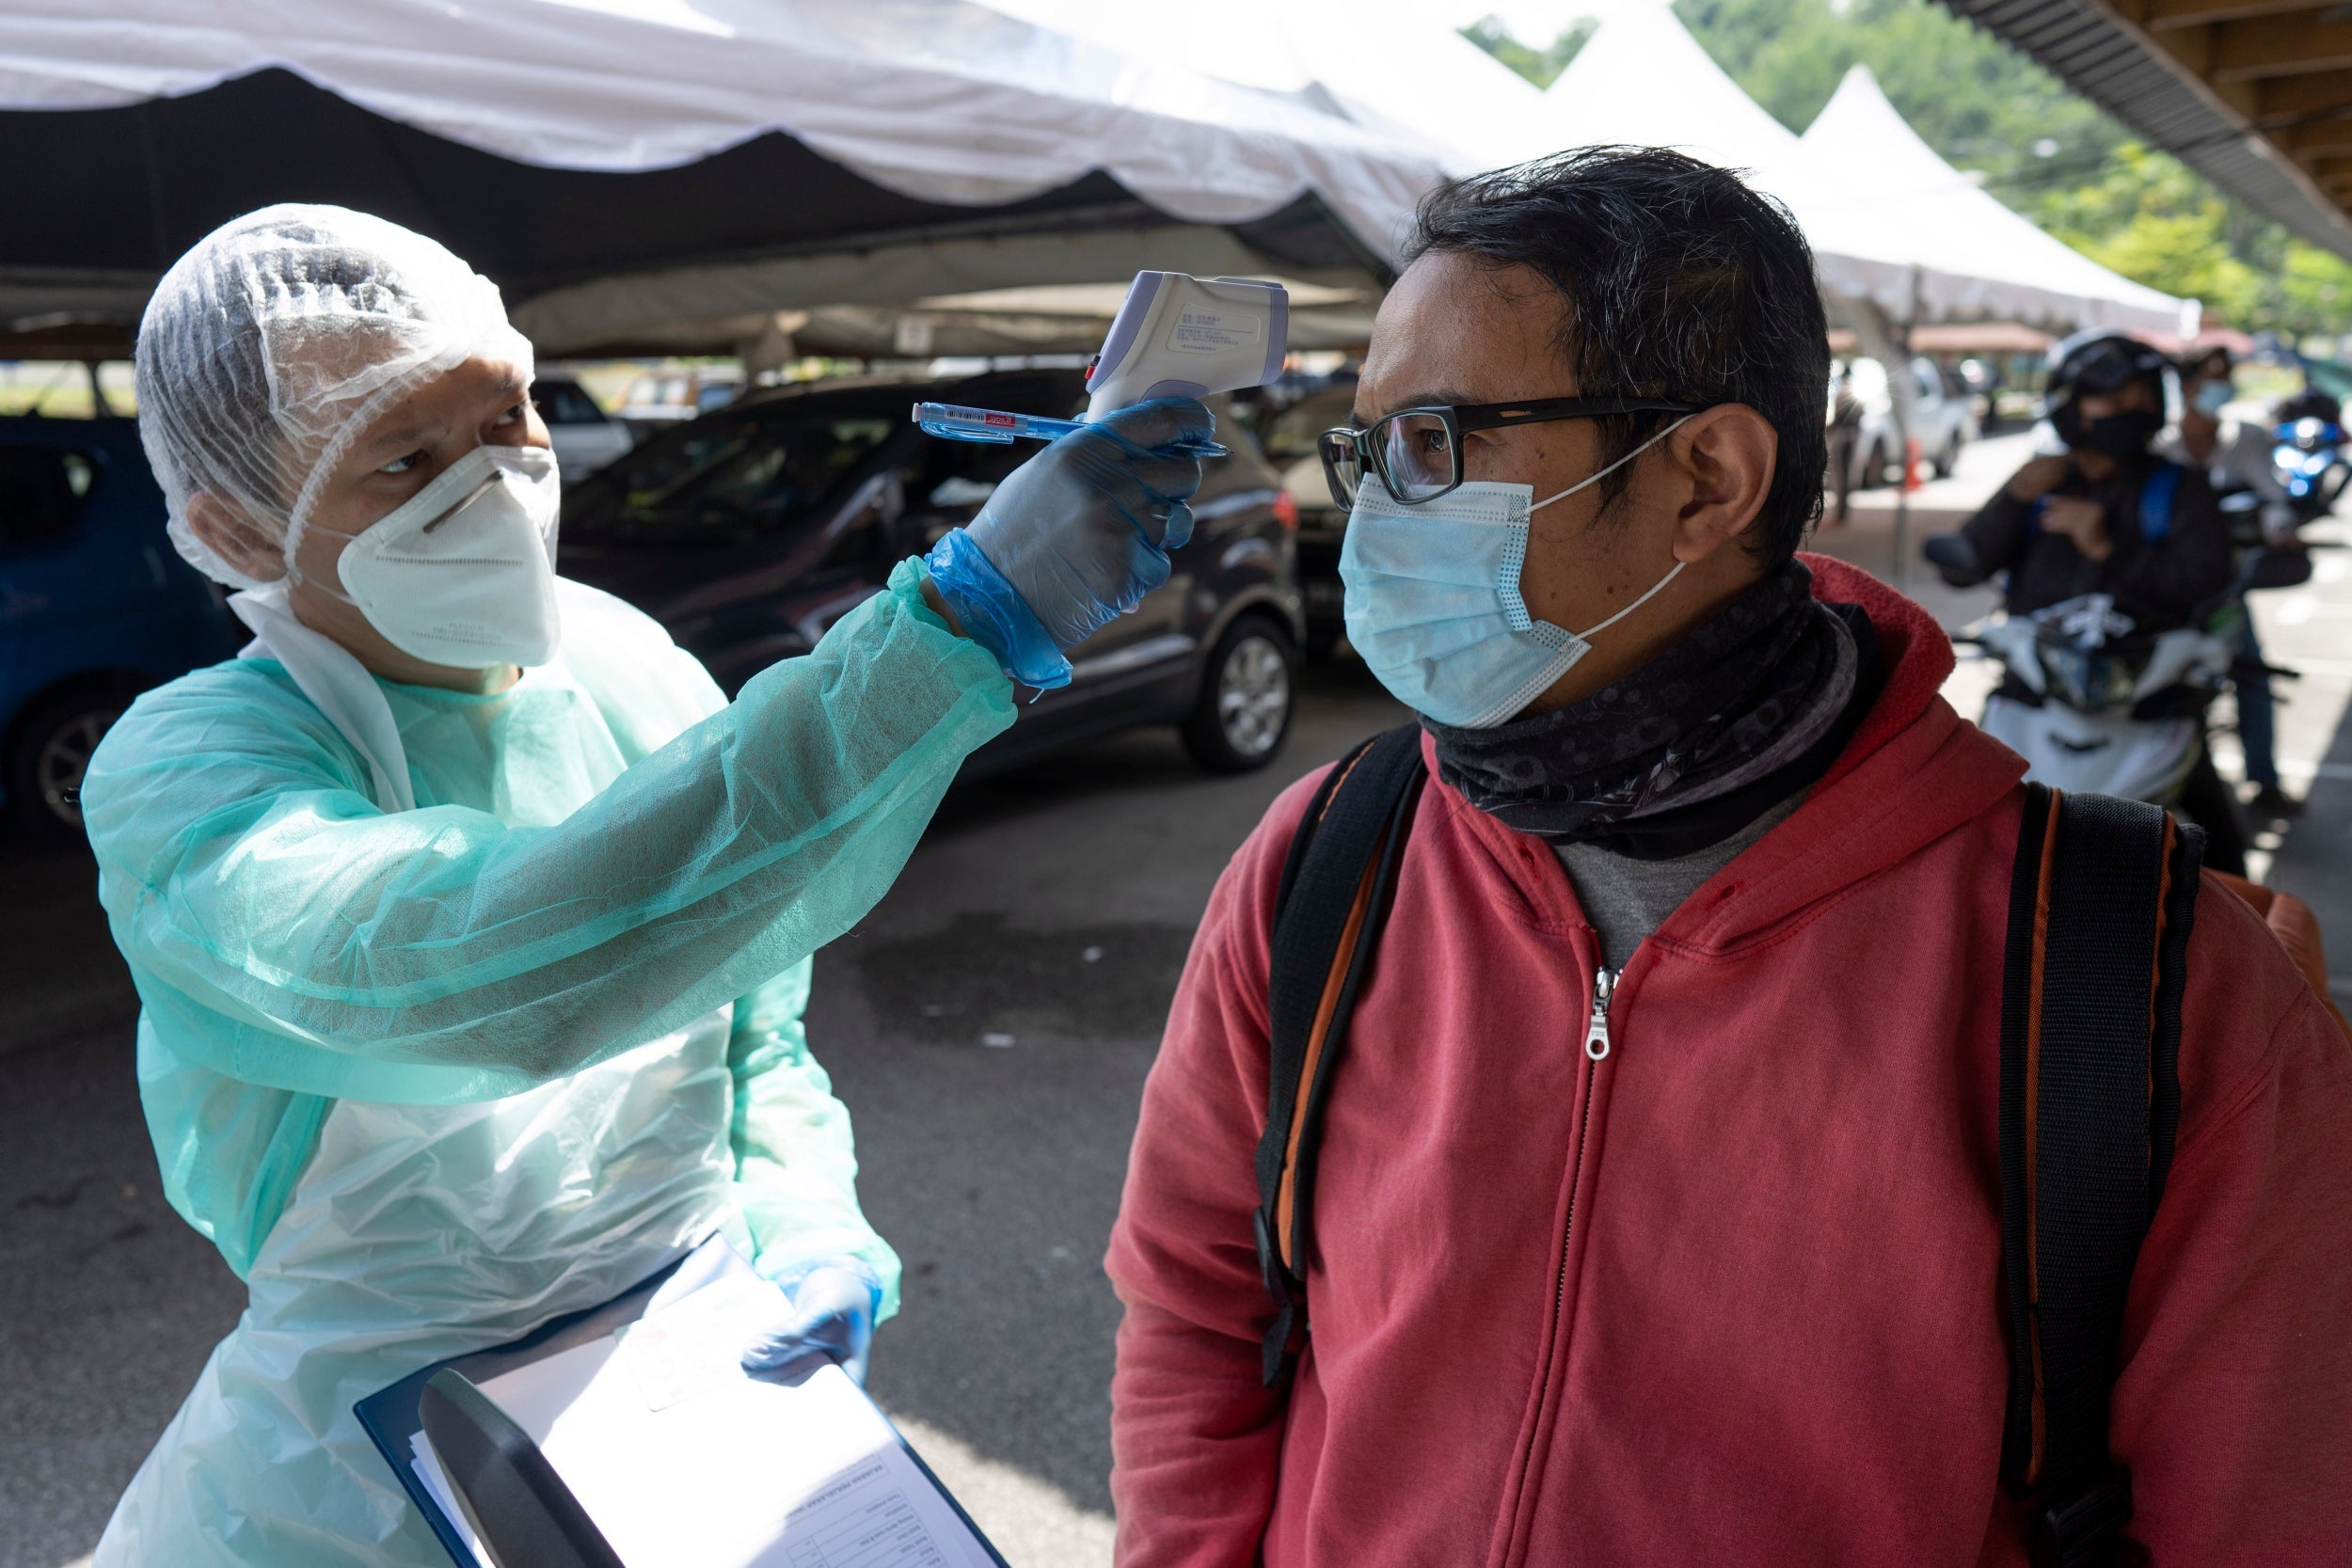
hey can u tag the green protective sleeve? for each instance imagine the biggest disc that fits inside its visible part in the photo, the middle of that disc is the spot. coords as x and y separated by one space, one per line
229 1153
285 932
795 1161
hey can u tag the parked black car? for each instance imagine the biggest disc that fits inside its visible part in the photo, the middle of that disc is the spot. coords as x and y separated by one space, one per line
750 531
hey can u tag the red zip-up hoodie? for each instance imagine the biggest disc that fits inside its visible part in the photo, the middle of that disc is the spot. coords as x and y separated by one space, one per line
1731 1294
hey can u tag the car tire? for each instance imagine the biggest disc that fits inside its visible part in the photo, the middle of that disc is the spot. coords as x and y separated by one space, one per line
1249 690
1948 459
48 750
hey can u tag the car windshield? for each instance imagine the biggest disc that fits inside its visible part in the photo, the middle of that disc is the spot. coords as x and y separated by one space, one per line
723 479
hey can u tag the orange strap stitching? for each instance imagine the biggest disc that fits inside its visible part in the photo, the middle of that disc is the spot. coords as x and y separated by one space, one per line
1332 983
2033 1087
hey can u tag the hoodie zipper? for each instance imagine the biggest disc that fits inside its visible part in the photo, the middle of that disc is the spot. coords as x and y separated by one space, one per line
1596 1031
1596 1049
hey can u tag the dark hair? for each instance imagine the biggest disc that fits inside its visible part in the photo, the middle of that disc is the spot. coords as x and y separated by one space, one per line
2194 363
1681 283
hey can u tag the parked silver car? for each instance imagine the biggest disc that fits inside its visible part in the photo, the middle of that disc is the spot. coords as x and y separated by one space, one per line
585 436
1943 420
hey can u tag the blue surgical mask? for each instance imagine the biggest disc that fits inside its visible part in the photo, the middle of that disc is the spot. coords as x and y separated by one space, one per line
2212 397
1433 599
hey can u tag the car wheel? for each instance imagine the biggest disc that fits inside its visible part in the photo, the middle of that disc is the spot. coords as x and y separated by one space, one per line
1948 459
1247 695
49 752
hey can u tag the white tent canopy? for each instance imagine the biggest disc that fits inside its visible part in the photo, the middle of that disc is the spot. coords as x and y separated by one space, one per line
940 101
1867 185
1227 117
1397 66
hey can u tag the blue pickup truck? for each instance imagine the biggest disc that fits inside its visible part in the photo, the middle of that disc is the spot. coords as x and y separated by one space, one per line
95 605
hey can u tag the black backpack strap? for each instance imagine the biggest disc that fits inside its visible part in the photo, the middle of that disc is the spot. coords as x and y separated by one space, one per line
1333 901
2102 898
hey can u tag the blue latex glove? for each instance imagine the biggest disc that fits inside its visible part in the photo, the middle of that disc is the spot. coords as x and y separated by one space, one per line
1074 538
830 1318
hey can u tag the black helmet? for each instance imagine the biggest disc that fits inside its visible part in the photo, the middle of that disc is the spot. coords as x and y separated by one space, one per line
2099 364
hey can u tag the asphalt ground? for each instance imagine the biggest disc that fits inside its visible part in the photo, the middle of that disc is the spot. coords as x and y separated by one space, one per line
1053 907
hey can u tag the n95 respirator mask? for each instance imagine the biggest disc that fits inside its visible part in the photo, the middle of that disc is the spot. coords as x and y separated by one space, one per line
462 572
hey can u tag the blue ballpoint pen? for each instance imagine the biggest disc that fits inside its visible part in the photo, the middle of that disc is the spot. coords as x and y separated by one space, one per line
957 424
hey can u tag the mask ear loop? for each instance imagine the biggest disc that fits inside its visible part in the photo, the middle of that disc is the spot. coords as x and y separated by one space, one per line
1604 473
1656 588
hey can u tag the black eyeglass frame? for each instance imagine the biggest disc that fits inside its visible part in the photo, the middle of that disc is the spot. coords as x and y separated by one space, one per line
1459 417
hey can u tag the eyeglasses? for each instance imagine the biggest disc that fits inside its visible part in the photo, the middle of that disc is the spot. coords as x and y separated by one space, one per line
1417 452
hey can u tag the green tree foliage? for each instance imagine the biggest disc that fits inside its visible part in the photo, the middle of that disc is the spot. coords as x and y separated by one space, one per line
2150 218
1974 100
1540 66
2050 154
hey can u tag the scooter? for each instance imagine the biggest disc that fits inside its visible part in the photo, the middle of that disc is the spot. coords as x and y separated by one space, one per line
2095 705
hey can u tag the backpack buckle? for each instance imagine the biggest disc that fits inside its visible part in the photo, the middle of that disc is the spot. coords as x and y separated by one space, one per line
2086 1532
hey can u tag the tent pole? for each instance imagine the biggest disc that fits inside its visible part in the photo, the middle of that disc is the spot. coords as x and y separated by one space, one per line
1902 425
1876 337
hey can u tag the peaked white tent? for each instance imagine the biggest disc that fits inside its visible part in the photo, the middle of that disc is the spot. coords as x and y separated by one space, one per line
1642 78
1867 185
1890 222
1392 65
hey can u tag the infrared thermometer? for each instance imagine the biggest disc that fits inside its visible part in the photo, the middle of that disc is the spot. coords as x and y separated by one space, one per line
1175 336
1180 337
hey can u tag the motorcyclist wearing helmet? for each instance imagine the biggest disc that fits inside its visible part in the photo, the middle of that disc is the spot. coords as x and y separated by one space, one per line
2089 520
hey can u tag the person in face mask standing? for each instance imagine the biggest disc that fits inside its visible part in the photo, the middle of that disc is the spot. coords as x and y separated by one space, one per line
470 922
2236 454
2071 523
2232 452
1655 1217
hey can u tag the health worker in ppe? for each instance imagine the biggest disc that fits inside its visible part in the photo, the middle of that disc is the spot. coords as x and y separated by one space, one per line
471 924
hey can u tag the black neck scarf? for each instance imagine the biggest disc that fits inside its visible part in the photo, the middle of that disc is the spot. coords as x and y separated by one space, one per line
1745 711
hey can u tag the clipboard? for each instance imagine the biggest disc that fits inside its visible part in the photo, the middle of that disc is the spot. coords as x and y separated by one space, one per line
393 1423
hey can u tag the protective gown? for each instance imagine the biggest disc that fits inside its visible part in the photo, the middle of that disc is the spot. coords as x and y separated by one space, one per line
428 1078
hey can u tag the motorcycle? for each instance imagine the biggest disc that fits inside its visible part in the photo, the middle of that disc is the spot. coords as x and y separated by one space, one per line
2095 705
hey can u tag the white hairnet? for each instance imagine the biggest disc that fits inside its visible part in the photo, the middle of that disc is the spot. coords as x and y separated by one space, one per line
278 340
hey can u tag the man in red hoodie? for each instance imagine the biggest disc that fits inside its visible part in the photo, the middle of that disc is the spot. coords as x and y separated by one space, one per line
1657 1217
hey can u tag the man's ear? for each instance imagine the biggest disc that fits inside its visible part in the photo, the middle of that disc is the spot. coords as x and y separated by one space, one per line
1726 455
226 530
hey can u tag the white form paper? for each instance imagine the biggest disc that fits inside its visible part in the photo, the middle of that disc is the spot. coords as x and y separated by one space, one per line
684 1461
428 1469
